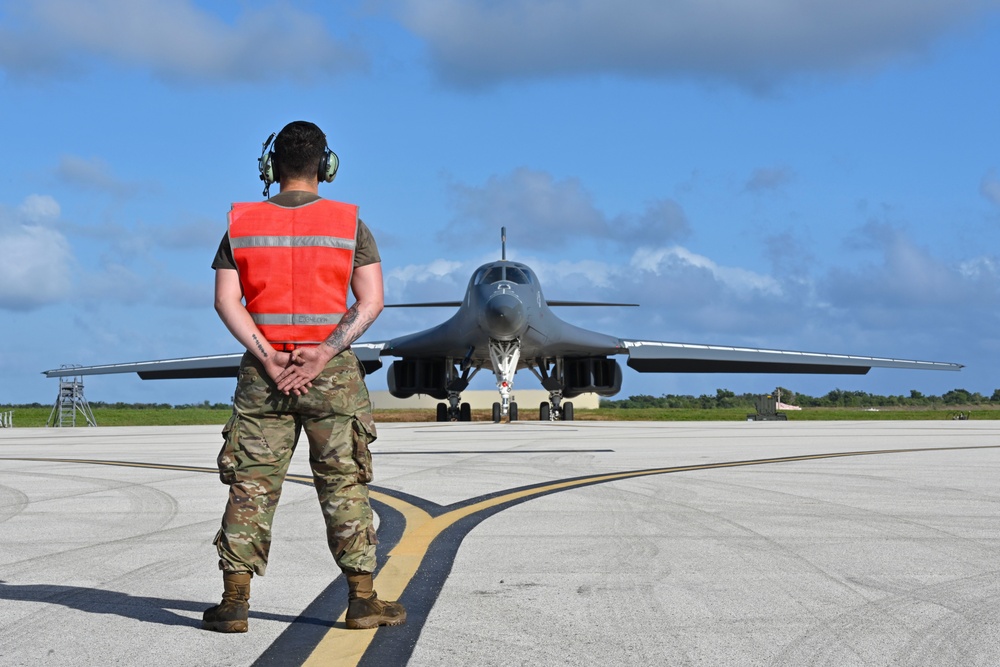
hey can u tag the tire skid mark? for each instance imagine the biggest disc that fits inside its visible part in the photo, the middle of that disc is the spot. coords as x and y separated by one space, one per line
921 621
416 568
870 511
142 499
12 502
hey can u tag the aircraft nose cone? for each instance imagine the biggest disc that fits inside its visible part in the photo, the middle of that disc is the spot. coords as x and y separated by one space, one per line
503 316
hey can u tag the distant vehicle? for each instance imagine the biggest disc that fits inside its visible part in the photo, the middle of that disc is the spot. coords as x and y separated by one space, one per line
505 324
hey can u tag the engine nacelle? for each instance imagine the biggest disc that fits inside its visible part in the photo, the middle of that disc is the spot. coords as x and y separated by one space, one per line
407 377
598 375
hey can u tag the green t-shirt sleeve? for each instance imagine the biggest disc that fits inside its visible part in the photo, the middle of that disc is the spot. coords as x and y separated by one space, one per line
365 250
224 255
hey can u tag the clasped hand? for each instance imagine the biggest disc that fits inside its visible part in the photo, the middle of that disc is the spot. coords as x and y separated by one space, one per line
294 372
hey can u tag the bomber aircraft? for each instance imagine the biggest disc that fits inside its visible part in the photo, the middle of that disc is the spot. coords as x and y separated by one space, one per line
505 324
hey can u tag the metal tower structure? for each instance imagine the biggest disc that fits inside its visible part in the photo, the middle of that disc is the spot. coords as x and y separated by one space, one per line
69 402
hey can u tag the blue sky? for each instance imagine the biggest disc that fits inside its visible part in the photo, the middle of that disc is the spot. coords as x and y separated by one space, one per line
820 176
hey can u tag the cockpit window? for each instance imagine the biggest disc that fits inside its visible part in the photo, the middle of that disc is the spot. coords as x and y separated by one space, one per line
487 275
516 275
493 275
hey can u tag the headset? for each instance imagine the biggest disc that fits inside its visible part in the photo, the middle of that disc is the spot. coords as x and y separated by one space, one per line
326 172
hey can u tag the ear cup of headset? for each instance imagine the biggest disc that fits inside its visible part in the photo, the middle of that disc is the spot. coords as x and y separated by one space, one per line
328 166
265 164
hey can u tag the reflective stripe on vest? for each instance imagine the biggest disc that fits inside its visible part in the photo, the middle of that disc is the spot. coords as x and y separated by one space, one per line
291 242
291 318
295 266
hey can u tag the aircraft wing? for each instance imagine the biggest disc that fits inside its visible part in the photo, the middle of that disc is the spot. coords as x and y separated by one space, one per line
369 354
588 303
429 304
456 304
215 366
189 368
661 357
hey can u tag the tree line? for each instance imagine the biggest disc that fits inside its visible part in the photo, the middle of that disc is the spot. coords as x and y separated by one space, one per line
95 405
837 398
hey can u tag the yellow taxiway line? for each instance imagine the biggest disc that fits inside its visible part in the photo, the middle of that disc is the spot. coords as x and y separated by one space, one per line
345 648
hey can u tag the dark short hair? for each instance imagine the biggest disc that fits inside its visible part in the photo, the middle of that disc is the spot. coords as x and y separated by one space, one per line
298 150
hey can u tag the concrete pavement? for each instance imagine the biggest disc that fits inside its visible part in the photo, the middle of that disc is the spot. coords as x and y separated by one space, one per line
770 543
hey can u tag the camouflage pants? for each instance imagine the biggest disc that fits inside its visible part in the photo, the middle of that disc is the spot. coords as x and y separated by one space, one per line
259 441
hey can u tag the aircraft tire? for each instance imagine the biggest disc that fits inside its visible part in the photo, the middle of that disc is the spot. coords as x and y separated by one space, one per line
465 413
543 412
567 411
442 412
496 413
513 411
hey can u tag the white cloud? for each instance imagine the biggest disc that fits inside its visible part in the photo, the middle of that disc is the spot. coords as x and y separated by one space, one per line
482 42
176 39
768 178
990 187
37 259
584 276
437 280
910 284
524 200
39 209
533 204
660 261
93 173
116 265
985 269
420 273
36 267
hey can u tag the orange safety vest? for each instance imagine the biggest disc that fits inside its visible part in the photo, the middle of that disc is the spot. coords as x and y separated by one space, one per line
295 266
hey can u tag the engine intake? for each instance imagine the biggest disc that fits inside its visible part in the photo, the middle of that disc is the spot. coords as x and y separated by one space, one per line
598 375
407 377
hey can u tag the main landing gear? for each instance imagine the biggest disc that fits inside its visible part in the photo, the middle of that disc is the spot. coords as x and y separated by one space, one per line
457 380
459 412
553 380
556 411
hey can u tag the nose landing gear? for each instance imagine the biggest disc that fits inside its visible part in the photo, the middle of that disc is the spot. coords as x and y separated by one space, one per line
511 412
504 355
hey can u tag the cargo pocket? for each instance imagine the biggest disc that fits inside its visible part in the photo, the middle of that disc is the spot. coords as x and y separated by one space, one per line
363 433
227 456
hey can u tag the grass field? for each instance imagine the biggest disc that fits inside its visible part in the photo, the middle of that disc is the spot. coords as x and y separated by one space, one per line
34 417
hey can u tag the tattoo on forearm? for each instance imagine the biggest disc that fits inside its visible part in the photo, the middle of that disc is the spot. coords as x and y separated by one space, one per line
259 346
351 326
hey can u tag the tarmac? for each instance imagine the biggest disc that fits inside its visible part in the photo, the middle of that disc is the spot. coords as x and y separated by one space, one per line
562 543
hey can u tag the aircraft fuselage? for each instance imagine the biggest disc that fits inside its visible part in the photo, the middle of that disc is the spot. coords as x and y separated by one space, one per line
504 302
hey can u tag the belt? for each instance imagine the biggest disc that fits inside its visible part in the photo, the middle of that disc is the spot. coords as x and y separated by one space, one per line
288 347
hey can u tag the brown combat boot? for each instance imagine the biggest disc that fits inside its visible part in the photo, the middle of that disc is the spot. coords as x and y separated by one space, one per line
364 610
230 615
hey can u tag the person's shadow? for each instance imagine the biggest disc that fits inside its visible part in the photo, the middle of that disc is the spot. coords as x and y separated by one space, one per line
141 608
